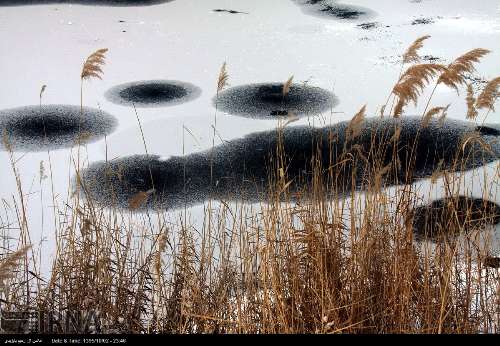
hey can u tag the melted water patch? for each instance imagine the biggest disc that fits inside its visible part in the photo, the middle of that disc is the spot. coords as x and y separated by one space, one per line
333 9
35 128
240 169
487 131
153 93
266 100
448 218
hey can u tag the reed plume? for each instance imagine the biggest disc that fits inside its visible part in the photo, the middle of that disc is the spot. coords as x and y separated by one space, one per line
5 140
287 85
487 99
223 78
92 66
42 90
162 245
9 264
444 113
411 54
138 200
430 114
355 125
412 83
453 75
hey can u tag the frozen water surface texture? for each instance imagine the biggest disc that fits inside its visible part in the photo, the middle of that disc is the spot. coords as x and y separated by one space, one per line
240 169
153 93
46 127
268 100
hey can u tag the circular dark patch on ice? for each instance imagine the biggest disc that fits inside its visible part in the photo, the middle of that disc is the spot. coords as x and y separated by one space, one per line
333 9
153 93
447 218
266 100
84 2
240 169
35 128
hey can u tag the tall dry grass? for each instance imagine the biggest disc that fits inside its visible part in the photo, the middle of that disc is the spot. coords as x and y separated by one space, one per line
319 264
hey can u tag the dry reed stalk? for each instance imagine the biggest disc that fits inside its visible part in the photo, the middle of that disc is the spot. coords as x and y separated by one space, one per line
488 97
471 100
222 82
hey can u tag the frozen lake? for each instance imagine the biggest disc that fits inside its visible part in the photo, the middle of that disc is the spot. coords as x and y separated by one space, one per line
354 55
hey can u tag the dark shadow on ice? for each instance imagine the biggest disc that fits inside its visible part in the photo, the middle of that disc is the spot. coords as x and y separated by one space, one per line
423 21
84 2
35 128
487 131
229 11
369 25
333 9
266 100
448 218
153 93
240 169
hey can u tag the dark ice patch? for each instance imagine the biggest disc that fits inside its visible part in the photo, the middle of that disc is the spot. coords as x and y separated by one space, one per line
35 128
432 59
229 11
240 169
423 21
84 2
492 262
333 9
447 218
153 93
368 26
398 59
266 100
487 131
